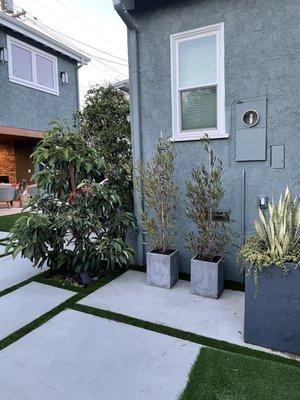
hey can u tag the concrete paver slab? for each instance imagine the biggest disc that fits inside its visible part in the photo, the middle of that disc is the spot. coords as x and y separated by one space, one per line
76 356
16 271
221 319
130 295
2 250
27 303
3 235
10 211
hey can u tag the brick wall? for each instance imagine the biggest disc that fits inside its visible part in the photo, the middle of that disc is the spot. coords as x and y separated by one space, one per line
8 160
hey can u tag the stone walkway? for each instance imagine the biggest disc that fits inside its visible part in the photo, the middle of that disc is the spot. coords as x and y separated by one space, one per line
2 250
10 211
221 319
27 303
3 235
76 356
16 271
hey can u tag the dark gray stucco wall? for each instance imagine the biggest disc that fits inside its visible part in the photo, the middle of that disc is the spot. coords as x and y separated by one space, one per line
28 108
261 60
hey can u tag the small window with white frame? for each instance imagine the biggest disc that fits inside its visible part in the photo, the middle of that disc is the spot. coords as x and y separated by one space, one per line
32 67
198 94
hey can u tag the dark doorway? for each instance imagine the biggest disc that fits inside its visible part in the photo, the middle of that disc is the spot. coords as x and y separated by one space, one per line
24 164
4 179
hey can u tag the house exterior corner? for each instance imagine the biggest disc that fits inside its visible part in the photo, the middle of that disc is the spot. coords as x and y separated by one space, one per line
256 69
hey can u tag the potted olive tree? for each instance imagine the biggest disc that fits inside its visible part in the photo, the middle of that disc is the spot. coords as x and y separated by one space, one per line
211 235
271 259
159 191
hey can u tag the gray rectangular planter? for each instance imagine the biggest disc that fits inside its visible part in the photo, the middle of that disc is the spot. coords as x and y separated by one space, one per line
162 269
207 278
272 318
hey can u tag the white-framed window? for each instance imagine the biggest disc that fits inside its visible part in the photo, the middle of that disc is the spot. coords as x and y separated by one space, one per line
198 92
32 67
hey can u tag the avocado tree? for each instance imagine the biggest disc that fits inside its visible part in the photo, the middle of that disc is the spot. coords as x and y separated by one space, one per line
76 223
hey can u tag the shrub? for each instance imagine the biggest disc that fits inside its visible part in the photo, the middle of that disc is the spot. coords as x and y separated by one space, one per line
155 181
204 193
277 239
104 123
76 224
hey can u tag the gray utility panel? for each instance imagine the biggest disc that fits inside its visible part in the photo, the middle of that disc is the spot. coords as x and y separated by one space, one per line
251 123
277 156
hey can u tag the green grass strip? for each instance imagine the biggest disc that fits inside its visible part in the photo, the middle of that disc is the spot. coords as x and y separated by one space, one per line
46 280
192 337
4 255
221 375
8 221
82 292
23 283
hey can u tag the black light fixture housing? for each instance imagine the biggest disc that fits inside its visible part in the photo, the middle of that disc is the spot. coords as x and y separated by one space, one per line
64 76
3 54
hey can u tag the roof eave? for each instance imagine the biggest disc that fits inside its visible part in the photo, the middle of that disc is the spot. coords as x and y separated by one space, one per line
40 37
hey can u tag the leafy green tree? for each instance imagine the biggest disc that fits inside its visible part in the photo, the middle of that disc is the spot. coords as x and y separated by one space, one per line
76 225
104 123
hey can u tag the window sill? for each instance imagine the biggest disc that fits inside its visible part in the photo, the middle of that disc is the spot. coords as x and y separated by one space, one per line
201 136
33 86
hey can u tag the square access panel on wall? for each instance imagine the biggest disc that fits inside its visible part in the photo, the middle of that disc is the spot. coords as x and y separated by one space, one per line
251 124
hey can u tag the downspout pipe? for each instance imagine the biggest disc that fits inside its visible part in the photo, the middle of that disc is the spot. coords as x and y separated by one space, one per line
122 7
78 85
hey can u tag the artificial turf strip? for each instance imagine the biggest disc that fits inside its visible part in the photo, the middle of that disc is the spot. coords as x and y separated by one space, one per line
220 375
38 278
4 255
192 337
81 293
8 221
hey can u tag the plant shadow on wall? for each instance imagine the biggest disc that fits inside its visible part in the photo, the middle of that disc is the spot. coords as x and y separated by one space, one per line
104 123
212 236
156 185
271 259
77 223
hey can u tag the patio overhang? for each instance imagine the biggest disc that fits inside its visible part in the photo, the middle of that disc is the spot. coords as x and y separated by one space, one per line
8 133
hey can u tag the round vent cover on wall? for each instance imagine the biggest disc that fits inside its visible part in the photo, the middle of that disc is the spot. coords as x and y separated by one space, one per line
250 118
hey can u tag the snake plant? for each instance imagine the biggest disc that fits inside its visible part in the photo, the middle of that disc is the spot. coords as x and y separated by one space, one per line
277 239
280 230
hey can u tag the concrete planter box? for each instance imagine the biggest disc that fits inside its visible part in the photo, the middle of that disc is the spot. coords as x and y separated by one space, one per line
272 318
207 278
162 269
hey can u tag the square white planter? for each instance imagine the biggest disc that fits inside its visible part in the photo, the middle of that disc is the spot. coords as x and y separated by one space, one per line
207 278
162 269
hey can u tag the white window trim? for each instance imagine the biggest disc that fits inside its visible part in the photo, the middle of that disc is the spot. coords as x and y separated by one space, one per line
33 51
175 39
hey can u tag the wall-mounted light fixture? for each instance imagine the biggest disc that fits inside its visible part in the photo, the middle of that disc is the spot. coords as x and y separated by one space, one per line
263 202
64 76
3 54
